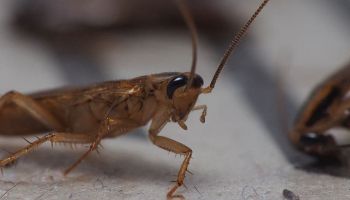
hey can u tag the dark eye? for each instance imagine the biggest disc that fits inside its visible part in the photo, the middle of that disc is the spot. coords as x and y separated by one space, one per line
174 84
313 139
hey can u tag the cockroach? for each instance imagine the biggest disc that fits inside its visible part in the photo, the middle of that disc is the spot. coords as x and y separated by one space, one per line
110 109
327 107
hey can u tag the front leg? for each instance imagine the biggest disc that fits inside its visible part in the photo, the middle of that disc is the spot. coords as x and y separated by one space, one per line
177 148
204 111
158 122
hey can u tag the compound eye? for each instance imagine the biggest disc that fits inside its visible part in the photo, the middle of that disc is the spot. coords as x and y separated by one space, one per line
176 83
310 139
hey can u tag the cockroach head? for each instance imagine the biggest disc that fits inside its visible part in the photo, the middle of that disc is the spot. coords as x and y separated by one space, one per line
183 90
181 96
314 143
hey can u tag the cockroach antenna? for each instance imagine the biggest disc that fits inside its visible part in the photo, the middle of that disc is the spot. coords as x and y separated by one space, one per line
234 43
184 9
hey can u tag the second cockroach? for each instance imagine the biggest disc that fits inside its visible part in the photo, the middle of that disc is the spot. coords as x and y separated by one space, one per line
109 109
327 108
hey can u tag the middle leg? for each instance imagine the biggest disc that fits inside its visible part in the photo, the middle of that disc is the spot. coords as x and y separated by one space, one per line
109 127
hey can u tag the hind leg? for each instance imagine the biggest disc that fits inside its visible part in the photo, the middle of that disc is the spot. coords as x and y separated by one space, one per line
53 138
35 110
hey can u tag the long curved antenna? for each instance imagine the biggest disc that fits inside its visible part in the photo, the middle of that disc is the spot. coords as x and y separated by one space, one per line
183 7
232 47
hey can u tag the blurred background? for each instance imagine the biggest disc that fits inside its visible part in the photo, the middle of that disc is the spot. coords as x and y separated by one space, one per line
242 151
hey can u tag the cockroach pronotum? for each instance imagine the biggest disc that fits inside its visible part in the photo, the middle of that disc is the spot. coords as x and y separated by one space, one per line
327 108
110 109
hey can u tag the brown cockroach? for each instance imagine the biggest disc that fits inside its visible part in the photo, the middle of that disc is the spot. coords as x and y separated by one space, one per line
328 107
109 109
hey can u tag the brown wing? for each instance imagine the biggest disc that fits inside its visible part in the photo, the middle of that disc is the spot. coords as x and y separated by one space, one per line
60 102
77 107
324 97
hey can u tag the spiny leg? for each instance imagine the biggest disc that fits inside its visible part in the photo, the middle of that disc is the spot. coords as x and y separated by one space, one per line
104 129
107 126
92 147
9 164
32 107
53 138
177 148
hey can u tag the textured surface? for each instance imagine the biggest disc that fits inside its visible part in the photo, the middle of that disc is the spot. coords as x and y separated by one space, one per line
240 153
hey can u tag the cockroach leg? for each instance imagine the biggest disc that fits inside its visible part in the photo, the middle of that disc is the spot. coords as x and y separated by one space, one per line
177 148
53 138
107 126
93 146
33 108
204 112
158 122
182 124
